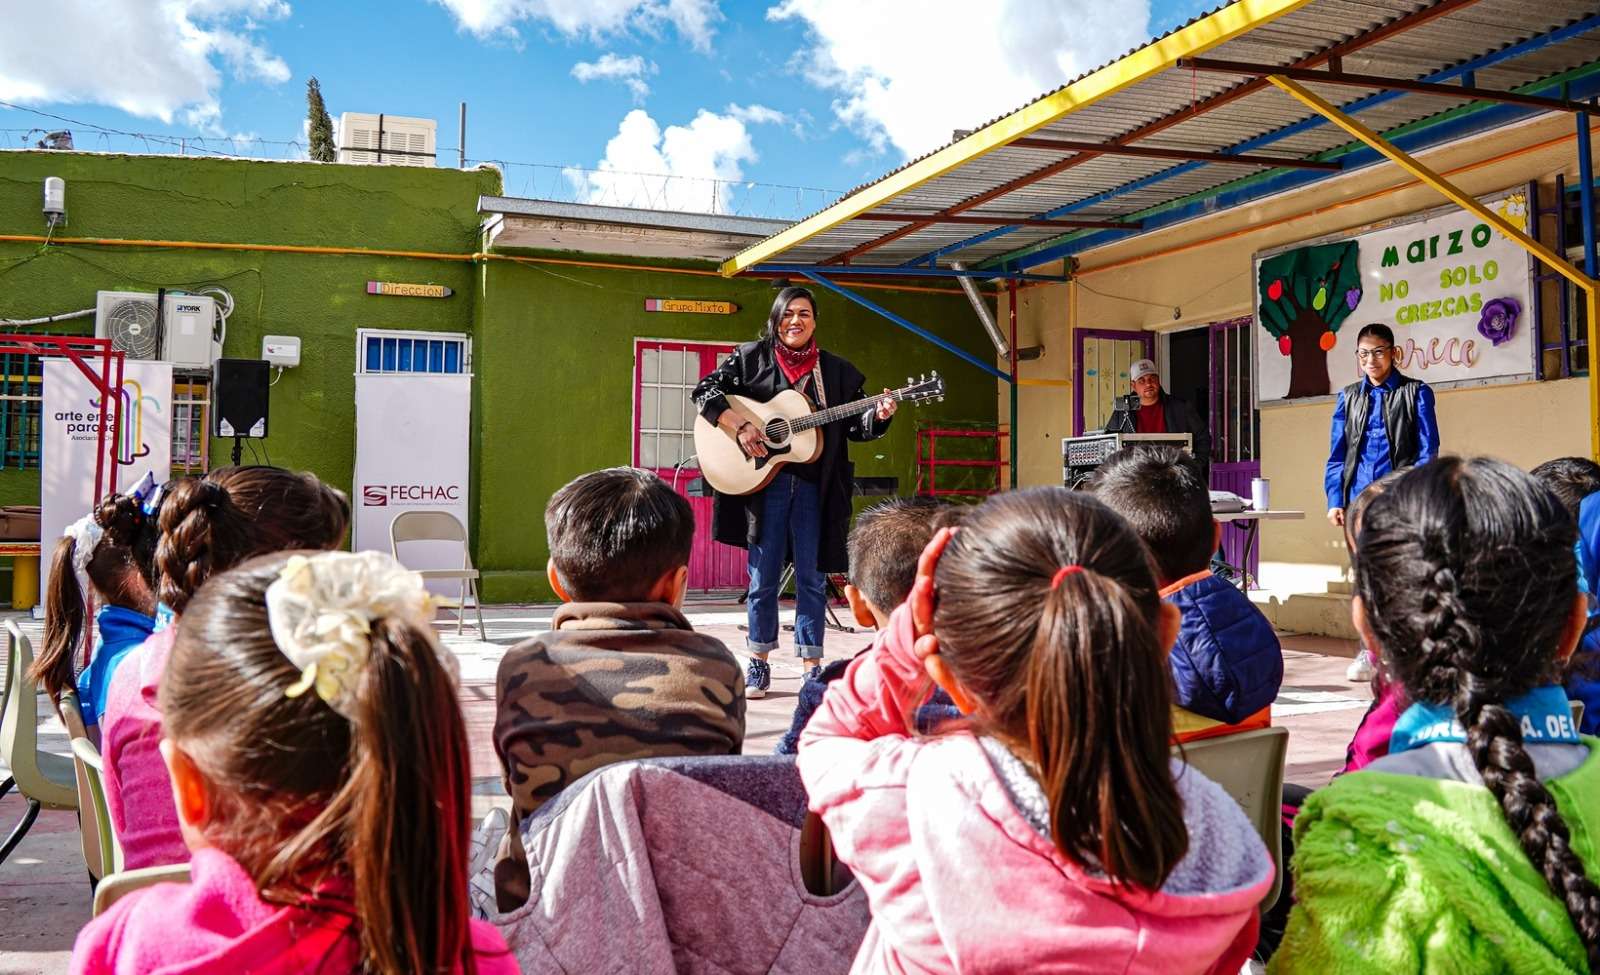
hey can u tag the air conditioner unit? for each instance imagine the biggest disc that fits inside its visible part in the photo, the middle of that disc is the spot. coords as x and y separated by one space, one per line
183 337
390 140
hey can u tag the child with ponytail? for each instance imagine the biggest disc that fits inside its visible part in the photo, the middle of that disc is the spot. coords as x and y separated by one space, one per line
1470 846
1053 831
107 556
207 524
319 762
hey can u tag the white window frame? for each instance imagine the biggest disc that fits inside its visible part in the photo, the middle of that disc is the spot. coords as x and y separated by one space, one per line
363 334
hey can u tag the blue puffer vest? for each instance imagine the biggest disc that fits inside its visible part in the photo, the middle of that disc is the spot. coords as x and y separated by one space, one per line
1227 664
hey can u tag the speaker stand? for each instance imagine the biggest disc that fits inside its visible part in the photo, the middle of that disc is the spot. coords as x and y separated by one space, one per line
238 450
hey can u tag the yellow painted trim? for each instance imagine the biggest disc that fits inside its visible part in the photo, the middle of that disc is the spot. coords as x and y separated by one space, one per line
1592 307
1196 38
1465 201
1044 382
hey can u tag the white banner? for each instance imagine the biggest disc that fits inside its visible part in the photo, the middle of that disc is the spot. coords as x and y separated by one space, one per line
1457 293
69 429
411 455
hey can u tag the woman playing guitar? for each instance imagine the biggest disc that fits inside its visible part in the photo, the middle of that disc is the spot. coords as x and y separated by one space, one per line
805 509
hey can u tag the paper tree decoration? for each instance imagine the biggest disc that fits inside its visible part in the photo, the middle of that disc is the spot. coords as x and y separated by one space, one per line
1305 294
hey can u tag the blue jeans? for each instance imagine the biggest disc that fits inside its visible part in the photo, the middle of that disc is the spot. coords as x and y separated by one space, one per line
790 520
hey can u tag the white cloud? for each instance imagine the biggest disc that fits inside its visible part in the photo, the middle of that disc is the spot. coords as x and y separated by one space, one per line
150 58
629 71
686 167
908 81
595 19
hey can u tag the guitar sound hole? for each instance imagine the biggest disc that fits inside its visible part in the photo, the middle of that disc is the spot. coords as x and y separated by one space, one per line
777 431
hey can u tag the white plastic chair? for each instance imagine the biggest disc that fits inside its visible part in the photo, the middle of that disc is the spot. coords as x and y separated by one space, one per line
101 852
115 886
1249 767
441 526
44 779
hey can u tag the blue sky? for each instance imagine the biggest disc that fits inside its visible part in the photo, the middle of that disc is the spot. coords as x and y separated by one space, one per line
807 93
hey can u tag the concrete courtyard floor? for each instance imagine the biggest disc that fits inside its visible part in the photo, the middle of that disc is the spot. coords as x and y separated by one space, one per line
44 889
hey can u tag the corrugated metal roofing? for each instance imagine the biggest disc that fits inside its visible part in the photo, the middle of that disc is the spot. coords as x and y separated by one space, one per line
1468 31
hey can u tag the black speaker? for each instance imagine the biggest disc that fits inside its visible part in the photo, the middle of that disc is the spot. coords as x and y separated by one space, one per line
239 397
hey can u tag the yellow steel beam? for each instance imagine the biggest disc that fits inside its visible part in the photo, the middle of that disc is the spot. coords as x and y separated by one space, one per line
1466 202
1202 35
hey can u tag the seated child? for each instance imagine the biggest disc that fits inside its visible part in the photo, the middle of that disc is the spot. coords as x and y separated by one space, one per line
1468 847
1575 481
1055 832
1371 739
206 525
108 557
884 543
319 761
1227 665
621 674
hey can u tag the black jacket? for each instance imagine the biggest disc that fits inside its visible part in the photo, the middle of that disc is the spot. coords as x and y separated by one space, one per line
1399 425
752 370
1180 417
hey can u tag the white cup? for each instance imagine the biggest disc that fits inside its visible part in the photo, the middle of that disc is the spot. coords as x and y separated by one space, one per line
1260 494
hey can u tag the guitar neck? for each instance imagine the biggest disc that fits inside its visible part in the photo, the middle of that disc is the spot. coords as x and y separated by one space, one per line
835 413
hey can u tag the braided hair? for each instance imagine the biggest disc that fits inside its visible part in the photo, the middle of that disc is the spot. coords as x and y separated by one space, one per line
1466 572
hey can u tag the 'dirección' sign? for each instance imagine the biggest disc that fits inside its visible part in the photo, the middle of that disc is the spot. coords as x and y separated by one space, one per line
690 306
408 290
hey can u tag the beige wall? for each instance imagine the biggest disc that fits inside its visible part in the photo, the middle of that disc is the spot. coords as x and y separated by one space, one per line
1200 271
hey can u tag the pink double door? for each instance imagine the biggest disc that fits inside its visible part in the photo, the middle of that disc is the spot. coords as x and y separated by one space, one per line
664 374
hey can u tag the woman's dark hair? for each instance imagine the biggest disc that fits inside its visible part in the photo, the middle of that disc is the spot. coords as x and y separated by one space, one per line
1467 575
122 573
1376 330
781 302
377 802
214 522
1357 508
1073 675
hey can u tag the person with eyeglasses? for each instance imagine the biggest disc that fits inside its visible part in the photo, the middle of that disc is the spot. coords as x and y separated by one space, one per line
1382 422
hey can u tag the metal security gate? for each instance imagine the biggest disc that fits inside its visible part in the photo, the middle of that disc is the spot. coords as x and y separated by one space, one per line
1235 427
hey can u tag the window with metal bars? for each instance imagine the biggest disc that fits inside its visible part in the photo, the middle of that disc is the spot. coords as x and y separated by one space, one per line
1557 219
412 353
21 407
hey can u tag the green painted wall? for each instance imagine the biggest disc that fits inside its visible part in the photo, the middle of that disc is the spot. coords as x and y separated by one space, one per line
554 359
322 299
552 345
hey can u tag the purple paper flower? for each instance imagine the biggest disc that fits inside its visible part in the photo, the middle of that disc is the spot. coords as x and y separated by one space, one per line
1499 321
1352 298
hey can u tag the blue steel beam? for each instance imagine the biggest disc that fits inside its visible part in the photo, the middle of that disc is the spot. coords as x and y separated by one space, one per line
902 272
1586 193
916 330
1411 142
1464 70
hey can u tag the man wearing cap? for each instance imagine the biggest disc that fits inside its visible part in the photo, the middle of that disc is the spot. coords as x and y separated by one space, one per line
1159 413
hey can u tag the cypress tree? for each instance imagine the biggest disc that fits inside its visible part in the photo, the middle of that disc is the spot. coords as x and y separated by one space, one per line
321 126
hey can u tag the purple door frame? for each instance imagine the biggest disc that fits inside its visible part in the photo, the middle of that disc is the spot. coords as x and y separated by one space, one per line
1078 335
1235 444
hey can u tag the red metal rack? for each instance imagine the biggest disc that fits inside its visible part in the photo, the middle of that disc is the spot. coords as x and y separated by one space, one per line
929 462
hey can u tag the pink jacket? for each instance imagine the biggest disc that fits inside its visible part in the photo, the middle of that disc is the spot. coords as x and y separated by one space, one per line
138 790
960 880
218 923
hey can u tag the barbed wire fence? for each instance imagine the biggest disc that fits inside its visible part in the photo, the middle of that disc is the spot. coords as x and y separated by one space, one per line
544 181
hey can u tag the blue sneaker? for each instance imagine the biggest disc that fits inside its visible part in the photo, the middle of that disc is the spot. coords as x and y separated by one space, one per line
757 678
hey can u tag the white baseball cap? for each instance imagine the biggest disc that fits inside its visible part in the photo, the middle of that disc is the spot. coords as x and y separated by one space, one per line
1140 369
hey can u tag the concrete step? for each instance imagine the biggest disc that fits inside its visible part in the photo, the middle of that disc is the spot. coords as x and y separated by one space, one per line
1322 614
1342 588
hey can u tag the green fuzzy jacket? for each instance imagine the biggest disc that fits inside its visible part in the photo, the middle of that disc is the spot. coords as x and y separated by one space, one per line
1400 873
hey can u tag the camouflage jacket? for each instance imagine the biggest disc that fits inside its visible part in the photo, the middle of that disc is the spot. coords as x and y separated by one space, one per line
611 682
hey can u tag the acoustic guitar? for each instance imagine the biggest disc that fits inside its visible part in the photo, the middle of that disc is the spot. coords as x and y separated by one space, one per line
792 432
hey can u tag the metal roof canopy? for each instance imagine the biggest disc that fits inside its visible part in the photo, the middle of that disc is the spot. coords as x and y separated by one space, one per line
1142 134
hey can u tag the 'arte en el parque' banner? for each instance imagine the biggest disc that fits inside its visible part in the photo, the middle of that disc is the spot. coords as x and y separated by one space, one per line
1457 293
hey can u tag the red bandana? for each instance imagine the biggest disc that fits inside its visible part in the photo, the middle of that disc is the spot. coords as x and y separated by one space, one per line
795 363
